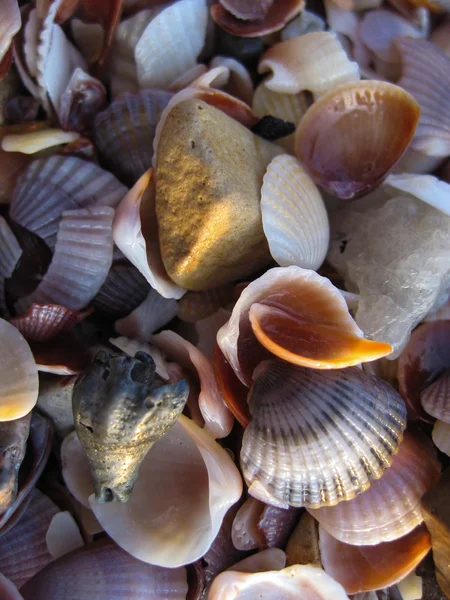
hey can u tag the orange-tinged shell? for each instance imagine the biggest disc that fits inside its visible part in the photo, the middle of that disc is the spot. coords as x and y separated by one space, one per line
233 391
354 135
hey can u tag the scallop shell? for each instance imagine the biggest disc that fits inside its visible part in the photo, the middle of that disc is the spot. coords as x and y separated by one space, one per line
103 571
373 567
427 188
288 459
154 312
19 377
124 132
315 61
441 37
53 185
124 290
441 436
348 149
425 75
306 22
72 280
43 322
285 310
390 508
160 54
10 253
295 219
435 398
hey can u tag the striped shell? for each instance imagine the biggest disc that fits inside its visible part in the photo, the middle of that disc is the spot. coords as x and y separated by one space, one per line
10 252
435 398
45 321
318 437
123 290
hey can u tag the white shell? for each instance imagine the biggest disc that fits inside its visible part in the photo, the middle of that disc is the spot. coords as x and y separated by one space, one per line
441 436
171 42
30 143
63 535
154 312
294 217
10 252
427 188
19 384
239 83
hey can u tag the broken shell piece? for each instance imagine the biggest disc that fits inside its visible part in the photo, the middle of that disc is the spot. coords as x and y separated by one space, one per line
427 188
120 410
315 62
294 217
10 25
13 444
318 466
441 436
43 322
30 143
292 583
365 568
10 252
154 312
300 317
435 398
19 377
390 508
306 22
244 531
63 535
104 571
354 135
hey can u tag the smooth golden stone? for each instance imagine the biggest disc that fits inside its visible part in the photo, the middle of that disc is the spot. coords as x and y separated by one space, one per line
208 190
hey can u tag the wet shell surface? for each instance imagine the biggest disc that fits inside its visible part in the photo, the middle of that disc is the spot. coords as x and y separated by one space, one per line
295 219
354 135
441 436
435 398
301 448
390 508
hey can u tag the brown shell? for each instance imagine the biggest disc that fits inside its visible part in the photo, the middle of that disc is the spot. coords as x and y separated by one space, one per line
43 322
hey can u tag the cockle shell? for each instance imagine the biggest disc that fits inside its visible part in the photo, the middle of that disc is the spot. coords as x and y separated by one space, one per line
390 508
154 312
316 465
123 290
103 571
294 217
13 444
43 322
427 188
19 377
435 398
286 300
354 135
120 410
441 436
10 252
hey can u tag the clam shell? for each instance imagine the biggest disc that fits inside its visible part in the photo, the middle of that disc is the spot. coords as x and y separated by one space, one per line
10 252
435 398
18 374
390 508
425 75
234 392
349 150
43 322
315 61
288 458
123 290
306 22
88 38
72 280
103 571
171 43
295 219
13 443
207 329
154 312
427 188
441 436
53 185
124 132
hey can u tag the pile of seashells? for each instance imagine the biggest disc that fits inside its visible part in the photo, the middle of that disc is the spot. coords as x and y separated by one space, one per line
224 299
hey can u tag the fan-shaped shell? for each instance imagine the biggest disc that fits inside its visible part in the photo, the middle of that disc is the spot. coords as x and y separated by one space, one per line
436 398
318 437
353 136
124 290
441 436
45 321
390 508
295 220
53 185
10 252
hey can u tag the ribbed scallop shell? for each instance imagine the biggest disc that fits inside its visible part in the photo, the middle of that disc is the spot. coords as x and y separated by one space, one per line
53 185
390 508
318 437
427 188
124 132
123 290
426 76
43 322
10 252
435 398
441 436
315 61
294 217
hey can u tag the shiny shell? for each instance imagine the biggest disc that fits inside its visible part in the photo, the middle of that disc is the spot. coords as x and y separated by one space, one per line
427 188
435 398
361 426
441 436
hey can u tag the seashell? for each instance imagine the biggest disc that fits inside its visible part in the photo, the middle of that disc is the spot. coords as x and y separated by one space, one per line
441 37
272 559
293 582
159 53
123 290
218 419
154 312
195 306
35 141
63 535
103 571
63 355
390 508
88 37
425 357
441 436
130 347
435 398
276 525
303 545
425 75
13 444
108 18
306 22
285 309
318 466
427 188
43 322
10 25
137 211
435 509
83 98
294 217
10 253
8 590
233 391
294 71
71 281
356 4
55 401
124 132
277 16
76 469
120 410
53 185
247 9
373 567
23 551
349 170
244 531
239 83
19 376
207 332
